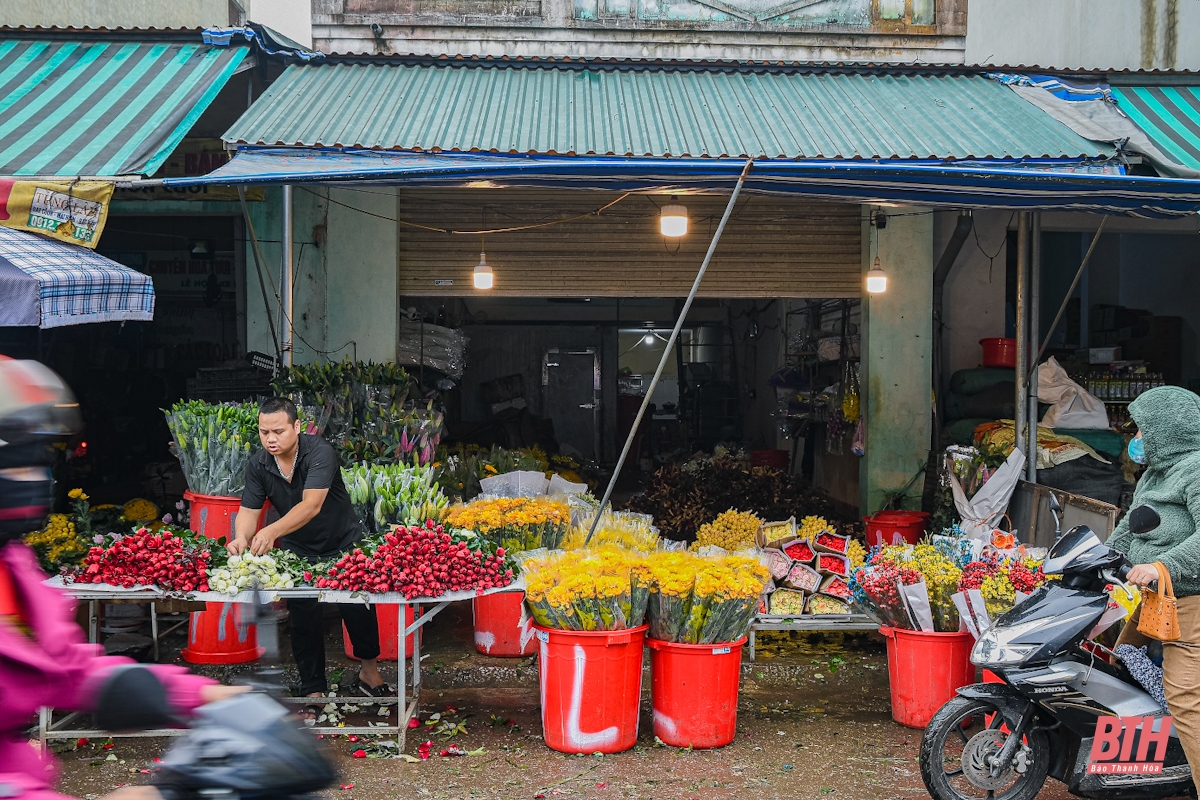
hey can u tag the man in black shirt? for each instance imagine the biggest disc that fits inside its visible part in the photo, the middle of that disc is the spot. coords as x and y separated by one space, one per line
302 478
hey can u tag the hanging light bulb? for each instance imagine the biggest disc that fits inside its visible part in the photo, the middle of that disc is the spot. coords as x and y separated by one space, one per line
648 339
876 279
483 276
673 220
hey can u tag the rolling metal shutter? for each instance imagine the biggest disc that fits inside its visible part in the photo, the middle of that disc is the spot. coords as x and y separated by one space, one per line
770 248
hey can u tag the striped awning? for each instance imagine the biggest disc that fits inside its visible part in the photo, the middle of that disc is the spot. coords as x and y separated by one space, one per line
104 106
1170 116
49 284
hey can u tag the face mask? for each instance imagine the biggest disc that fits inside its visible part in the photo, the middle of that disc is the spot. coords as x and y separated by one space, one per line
1137 450
24 503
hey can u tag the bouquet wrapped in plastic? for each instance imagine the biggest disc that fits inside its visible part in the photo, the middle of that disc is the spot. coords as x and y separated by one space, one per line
621 528
704 599
911 587
394 494
600 589
213 443
515 523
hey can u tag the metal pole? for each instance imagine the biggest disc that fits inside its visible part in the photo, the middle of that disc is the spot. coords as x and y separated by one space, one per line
285 290
1079 274
1021 410
259 261
669 349
1035 310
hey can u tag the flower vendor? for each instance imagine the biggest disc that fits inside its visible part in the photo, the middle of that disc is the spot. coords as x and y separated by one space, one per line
300 474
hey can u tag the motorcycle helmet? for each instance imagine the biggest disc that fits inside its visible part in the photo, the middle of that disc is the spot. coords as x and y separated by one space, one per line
36 411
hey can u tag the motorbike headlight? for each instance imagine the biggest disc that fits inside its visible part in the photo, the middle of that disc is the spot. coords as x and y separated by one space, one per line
994 647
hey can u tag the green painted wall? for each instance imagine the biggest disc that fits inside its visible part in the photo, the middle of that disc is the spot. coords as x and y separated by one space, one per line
897 343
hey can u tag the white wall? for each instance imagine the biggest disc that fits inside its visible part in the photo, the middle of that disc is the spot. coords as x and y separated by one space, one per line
115 13
973 303
292 18
1088 34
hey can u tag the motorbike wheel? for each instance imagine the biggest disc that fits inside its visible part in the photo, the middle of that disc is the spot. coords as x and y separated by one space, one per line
955 750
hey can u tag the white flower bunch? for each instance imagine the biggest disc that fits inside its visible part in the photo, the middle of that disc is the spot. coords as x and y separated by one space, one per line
240 572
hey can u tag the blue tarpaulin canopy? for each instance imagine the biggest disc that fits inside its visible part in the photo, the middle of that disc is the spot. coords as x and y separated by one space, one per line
1030 184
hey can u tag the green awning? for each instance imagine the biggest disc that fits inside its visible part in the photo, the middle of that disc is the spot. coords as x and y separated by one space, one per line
102 106
1170 116
656 110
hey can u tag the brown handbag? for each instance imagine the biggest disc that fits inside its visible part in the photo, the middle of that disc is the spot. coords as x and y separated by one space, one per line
1160 614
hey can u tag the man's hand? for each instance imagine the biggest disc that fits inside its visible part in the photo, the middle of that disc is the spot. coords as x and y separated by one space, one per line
237 546
1142 575
262 542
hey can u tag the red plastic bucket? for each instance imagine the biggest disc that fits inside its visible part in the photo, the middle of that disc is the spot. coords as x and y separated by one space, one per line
212 515
389 633
778 459
212 638
591 685
216 636
502 628
694 692
999 352
895 527
925 670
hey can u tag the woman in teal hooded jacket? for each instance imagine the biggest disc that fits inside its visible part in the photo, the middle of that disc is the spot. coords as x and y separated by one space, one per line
1168 420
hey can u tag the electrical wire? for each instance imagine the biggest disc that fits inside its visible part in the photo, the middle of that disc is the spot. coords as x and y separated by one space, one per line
452 232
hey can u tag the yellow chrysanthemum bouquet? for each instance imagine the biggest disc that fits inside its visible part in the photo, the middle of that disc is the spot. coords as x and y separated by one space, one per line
599 589
703 599
515 523
620 528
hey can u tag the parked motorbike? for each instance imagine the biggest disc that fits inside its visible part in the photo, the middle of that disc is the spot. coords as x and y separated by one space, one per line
1061 711
247 747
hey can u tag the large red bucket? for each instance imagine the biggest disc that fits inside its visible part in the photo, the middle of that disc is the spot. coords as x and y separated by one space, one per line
216 636
389 633
591 683
502 628
694 692
999 352
895 527
925 670
212 515
210 640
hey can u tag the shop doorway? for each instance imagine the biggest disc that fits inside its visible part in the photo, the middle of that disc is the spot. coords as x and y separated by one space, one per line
571 383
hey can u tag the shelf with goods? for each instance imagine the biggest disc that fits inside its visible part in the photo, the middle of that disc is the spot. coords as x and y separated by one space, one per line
819 380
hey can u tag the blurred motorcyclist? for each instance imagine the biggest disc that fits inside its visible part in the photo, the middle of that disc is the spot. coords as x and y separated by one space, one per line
44 658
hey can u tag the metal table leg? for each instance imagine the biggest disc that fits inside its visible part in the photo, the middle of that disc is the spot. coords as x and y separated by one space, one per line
751 644
93 622
154 628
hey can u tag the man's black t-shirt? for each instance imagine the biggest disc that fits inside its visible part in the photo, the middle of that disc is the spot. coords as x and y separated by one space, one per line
335 527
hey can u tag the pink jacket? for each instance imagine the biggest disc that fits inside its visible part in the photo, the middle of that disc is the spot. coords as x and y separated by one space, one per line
56 668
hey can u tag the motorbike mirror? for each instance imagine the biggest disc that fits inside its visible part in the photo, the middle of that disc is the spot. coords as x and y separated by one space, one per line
1054 504
1143 519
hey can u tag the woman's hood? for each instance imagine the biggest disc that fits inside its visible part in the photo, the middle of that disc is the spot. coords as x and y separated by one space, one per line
1169 419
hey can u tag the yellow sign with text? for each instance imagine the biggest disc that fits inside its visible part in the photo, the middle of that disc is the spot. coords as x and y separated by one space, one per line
72 212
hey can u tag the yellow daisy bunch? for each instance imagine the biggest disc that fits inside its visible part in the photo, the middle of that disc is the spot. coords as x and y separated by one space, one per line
856 553
732 530
593 589
811 526
58 543
515 523
631 531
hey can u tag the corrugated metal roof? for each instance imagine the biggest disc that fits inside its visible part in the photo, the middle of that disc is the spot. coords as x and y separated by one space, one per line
662 112
114 106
